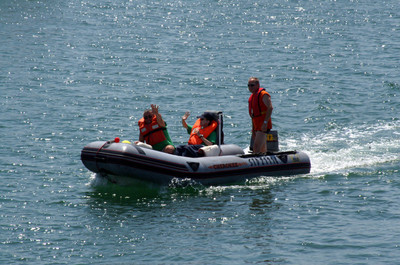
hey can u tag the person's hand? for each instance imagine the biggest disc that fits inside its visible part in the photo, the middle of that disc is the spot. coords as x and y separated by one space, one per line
264 127
186 115
154 109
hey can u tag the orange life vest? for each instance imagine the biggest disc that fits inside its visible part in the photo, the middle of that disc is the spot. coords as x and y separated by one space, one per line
152 133
257 108
194 138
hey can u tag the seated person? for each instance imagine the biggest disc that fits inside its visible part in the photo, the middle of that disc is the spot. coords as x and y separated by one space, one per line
202 133
153 131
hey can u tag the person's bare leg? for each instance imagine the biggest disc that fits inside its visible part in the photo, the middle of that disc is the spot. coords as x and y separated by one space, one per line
260 143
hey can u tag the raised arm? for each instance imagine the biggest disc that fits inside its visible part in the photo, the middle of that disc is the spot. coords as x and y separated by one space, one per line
184 118
154 110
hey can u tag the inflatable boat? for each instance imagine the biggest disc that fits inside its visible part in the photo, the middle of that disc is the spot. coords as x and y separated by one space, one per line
122 162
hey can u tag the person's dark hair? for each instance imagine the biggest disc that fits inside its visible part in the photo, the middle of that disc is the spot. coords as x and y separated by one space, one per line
208 116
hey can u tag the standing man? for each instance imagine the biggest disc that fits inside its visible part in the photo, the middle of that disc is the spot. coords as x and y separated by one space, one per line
153 131
260 110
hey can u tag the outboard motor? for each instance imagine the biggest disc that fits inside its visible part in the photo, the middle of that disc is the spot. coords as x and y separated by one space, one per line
272 141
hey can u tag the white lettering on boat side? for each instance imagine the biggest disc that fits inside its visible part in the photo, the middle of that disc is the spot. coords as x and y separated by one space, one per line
263 161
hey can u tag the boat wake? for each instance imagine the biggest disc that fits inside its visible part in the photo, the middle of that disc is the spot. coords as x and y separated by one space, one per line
345 149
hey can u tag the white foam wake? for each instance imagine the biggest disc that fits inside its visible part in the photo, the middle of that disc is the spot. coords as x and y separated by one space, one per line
348 148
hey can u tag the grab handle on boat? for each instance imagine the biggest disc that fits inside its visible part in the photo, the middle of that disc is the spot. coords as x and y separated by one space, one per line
116 140
97 158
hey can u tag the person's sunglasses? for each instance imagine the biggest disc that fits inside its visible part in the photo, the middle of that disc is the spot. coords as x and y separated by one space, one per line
251 85
147 117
